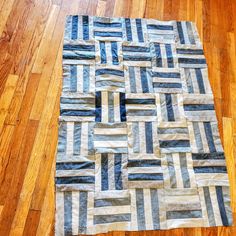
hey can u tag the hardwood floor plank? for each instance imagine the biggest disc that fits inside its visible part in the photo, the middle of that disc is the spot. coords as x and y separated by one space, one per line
15 186
48 66
31 223
230 160
27 56
37 152
6 7
10 157
45 43
6 97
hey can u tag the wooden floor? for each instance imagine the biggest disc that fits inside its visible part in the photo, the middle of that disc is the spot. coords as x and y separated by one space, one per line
30 84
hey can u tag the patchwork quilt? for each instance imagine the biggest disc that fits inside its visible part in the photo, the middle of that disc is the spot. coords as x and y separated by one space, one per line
138 147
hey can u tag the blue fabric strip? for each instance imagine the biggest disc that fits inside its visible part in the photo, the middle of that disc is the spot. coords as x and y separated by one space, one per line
75 180
140 209
174 143
166 74
109 72
135 49
74 33
104 172
114 53
77 112
77 138
86 78
148 136
85 20
158 55
78 56
107 34
198 107
210 156
184 214
200 81
136 58
169 108
98 105
139 30
191 60
73 80
209 136
140 101
190 51
75 165
169 55
118 171
145 176
103 52
159 27
220 199
144 79
83 206
122 107
107 24
180 31
155 208
128 29
210 169
67 213
79 47
166 85
143 163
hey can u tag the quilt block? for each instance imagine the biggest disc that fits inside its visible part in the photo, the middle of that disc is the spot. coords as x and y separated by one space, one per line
138 145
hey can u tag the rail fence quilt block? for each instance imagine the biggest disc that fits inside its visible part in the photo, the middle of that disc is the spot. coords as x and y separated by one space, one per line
139 146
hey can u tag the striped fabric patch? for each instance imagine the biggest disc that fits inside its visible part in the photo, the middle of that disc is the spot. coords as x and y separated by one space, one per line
163 55
135 30
75 138
204 137
75 173
110 107
82 52
78 28
138 80
174 138
77 106
110 138
136 54
108 53
160 31
111 171
144 172
190 57
143 138
138 140
148 209
183 207
166 80
79 78
112 209
199 107
178 170
110 78
170 107
195 81
141 107
210 169
187 33
107 28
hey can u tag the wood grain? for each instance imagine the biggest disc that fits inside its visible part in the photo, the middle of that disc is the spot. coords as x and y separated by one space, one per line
30 85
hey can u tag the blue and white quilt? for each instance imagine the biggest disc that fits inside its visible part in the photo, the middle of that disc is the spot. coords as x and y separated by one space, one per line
139 147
